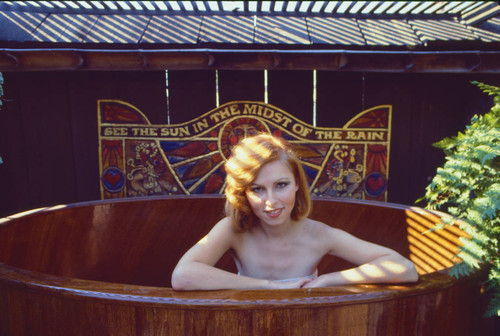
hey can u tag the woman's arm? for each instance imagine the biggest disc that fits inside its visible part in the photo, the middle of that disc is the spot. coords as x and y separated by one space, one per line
377 264
196 271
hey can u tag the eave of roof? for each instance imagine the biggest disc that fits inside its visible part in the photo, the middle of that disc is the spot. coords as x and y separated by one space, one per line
199 59
302 36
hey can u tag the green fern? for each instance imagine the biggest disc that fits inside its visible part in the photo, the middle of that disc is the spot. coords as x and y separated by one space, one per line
468 188
489 89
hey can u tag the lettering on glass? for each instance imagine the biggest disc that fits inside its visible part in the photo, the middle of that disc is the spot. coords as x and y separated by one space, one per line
140 159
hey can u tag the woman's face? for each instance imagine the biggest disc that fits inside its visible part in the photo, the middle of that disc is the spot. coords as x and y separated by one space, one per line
272 194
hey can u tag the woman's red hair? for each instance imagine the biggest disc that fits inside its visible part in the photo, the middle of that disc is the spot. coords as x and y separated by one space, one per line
247 159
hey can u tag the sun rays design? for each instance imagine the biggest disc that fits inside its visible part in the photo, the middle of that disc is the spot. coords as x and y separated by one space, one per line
140 164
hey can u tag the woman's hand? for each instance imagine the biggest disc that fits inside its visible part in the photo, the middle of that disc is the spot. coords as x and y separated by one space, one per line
300 283
315 283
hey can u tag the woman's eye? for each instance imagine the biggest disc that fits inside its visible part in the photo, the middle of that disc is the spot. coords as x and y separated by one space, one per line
256 190
282 185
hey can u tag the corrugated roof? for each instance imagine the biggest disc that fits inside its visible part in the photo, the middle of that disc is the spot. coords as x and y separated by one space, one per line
221 29
333 23
470 9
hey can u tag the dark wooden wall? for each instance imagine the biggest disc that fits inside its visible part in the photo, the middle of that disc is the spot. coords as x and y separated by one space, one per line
48 129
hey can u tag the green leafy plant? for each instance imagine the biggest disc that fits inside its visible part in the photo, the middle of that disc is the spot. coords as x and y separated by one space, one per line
468 188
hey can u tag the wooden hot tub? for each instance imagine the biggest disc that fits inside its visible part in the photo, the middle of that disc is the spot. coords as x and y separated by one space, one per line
104 268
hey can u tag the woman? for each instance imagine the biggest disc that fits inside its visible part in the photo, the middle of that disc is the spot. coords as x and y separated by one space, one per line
267 231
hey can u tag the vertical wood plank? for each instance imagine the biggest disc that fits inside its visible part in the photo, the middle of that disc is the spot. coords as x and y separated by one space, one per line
292 91
339 97
42 157
241 85
191 93
14 170
394 90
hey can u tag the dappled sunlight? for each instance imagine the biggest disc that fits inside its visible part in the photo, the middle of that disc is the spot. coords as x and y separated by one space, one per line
420 262
253 197
433 241
57 207
430 218
371 270
427 256
393 267
431 250
370 273
29 212
357 276
203 241
241 169
248 158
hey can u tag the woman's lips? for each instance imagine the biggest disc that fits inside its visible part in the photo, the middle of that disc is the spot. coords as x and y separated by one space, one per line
274 213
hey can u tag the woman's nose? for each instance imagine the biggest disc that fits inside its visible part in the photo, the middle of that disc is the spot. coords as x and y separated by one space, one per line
270 199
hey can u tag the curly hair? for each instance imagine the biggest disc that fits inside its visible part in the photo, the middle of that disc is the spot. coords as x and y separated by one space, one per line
242 168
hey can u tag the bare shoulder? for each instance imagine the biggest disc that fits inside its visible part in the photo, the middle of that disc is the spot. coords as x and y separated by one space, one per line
320 229
211 247
224 228
224 224
330 237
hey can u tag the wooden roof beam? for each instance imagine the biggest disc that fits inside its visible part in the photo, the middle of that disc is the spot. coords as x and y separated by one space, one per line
204 59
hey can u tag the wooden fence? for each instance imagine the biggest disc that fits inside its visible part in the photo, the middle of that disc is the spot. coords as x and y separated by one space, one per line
48 133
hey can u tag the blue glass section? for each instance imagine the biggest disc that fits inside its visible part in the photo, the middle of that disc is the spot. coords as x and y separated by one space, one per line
310 172
200 188
181 170
189 183
175 159
170 145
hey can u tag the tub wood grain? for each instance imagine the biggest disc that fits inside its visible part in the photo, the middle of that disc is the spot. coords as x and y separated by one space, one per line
103 268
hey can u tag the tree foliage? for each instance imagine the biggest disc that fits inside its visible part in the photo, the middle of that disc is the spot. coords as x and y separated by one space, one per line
467 187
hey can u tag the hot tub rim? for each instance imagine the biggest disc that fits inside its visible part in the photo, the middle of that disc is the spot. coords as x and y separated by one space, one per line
42 283
6 220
